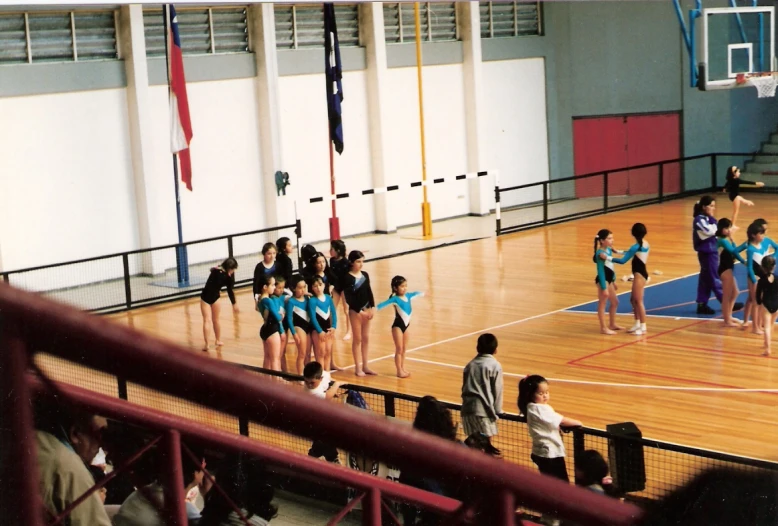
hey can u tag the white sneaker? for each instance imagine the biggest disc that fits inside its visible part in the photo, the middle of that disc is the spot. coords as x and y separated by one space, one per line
638 332
634 328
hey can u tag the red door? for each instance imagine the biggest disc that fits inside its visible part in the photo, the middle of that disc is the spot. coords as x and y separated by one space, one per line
652 138
608 143
599 144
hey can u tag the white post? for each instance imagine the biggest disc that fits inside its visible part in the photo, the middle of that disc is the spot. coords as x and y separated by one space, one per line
263 37
469 20
371 20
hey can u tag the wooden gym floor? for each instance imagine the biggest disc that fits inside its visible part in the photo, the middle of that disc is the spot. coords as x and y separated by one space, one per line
688 381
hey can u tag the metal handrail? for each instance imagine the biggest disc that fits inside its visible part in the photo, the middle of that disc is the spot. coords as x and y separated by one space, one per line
30 322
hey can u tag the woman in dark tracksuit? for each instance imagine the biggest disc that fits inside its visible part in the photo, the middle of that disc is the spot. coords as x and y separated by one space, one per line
704 239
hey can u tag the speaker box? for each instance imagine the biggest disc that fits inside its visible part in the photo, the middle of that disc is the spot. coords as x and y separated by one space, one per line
625 457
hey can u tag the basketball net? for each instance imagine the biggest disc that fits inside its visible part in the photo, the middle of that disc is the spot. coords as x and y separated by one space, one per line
765 84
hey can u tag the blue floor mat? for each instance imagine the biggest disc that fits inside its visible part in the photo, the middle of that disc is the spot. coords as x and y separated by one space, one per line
676 298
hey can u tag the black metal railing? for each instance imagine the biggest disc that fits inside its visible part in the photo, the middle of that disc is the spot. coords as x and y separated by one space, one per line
532 205
136 278
645 468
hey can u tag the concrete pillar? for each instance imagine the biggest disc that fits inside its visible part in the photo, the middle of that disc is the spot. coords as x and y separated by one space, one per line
263 40
481 189
132 44
371 31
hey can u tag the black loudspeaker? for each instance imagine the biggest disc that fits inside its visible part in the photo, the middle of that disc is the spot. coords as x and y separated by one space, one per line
625 457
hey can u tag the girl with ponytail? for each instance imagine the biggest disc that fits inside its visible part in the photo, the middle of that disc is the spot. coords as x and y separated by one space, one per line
605 280
640 252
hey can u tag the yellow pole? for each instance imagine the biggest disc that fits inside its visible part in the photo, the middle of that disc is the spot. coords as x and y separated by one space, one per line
426 215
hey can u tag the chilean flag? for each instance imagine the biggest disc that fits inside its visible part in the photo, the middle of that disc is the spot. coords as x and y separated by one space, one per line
180 123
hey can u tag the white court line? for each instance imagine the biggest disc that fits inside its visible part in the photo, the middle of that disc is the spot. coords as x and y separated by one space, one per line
502 326
649 315
612 384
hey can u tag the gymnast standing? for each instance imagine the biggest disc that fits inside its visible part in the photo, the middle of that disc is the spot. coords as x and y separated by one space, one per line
639 255
704 229
272 328
221 276
767 297
728 252
401 299
757 248
732 186
324 319
340 266
605 280
361 304
266 267
299 322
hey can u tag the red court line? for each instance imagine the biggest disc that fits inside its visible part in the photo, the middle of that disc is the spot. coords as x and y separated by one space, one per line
633 342
720 351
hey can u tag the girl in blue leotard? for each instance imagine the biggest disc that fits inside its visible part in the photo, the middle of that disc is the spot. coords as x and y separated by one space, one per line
757 248
728 253
272 326
401 299
324 319
605 280
299 322
639 255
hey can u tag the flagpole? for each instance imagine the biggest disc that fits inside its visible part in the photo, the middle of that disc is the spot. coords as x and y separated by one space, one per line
182 258
334 221
426 214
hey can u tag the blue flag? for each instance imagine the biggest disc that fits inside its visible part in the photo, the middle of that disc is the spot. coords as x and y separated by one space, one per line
333 71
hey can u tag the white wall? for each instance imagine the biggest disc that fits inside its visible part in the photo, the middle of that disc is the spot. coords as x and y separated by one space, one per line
67 190
227 194
446 141
304 135
515 113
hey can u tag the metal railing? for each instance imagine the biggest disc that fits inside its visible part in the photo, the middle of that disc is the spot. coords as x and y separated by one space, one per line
532 205
127 280
30 323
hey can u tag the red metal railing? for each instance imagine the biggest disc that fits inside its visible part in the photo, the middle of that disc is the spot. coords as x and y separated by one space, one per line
29 323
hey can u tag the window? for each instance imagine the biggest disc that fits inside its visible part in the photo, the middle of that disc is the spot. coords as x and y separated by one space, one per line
300 26
509 19
438 22
203 31
62 36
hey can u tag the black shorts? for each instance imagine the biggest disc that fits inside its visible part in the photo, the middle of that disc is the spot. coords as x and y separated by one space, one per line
610 276
268 328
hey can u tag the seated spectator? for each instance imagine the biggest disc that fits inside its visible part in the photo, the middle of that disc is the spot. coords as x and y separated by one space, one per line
142 507
244 481
319 383
434 418
67 439
591 471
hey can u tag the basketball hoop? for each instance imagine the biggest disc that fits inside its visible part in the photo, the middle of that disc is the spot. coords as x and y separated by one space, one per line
765 83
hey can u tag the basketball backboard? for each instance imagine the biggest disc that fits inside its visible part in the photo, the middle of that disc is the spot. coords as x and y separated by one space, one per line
735 41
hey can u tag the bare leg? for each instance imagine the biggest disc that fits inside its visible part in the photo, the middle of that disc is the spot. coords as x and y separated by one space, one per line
318 344
282 356
735 211
337 298
205 309
726 297
302 345
769 320
638 291
602 298
216 308
756 313
399 351
405 348
614 307
273 344
356 343
365 342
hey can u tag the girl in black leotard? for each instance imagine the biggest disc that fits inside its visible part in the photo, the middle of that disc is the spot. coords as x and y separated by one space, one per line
266 267
284 266
767 297
339 265
732 187
221 276
361 304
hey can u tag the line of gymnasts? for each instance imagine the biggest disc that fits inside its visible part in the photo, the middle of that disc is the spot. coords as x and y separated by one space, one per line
302 306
